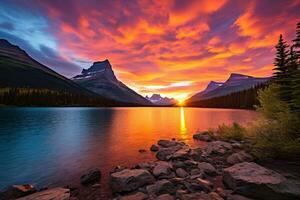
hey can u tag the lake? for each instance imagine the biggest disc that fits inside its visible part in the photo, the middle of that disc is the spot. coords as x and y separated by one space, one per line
53 146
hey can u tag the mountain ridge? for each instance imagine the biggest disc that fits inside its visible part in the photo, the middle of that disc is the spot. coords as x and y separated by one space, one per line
157 99
235 83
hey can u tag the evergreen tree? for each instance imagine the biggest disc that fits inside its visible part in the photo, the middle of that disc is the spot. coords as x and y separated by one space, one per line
281 59
281 72
297 41
296 72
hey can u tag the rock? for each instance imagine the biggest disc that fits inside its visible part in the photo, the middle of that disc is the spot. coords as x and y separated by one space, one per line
215 196
204 136
195 196
192 177
97 185
161 187
237 145
217 147
221 192
90 177
191 163
154 148
117 169
206 185
163 170
182 153
50 194
177 181
129 180
167 143
136 196
16 191
180 193
237 197
181 173
165 197
207 168
195 171
166 153
178 164
255 181
239 157
142 151
196 154
145 165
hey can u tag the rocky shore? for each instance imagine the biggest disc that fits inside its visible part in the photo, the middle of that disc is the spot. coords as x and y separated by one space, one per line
221 170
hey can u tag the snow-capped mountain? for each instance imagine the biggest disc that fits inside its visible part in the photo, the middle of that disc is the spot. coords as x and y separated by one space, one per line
235 83
101 79
159 100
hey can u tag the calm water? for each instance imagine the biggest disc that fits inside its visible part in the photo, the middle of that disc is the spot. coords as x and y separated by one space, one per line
52 146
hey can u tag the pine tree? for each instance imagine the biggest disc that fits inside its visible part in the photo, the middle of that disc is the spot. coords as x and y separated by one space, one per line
296 73
280 74
281 59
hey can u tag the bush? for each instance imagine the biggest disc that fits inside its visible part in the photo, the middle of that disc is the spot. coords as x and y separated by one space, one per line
231 132
274 134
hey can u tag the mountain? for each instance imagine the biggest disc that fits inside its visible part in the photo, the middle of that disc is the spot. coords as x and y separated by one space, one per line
159 100
101 79
235 83
19 70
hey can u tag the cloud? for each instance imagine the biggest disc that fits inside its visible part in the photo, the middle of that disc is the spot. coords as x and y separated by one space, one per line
172 47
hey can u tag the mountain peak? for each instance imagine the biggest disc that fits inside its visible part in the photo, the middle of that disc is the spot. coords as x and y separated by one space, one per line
212 85
238 76
98 66
159 100
5 43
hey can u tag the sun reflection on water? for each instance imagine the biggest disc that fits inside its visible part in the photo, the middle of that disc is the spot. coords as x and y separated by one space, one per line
183 130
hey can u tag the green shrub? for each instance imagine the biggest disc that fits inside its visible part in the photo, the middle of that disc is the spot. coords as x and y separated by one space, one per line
231 132
274 134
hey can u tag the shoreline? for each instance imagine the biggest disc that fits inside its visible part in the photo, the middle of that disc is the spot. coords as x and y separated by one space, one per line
179 171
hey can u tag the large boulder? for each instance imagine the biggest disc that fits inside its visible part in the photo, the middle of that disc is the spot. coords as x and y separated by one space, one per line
181 154
163 169
167 143
181 173
16 191
154 148
239 157
207 168
90 177
50 194
203 136
129 180
255 181
161 187
167 153
217 147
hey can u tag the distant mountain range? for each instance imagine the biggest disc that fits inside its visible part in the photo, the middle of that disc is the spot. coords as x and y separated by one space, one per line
101 79
159 100
235 83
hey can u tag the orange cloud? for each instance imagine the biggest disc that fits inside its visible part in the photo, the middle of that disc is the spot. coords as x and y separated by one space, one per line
173 47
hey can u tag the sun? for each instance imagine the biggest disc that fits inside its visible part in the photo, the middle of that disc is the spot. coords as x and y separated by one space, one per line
180 102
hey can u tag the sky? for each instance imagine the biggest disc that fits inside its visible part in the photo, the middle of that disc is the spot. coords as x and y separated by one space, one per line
171 47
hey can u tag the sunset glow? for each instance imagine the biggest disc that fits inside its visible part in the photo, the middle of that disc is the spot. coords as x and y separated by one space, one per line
171 47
